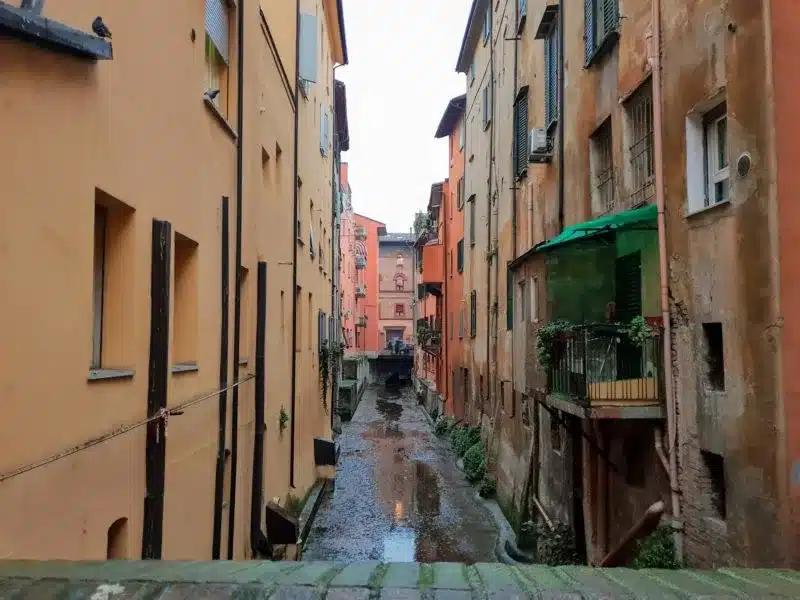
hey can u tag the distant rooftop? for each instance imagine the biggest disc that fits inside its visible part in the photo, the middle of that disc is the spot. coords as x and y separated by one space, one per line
407 238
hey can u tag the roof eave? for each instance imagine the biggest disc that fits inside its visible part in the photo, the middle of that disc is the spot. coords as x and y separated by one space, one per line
467 42
455 108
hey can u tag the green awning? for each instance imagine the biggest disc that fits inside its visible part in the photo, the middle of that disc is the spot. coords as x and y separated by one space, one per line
638 218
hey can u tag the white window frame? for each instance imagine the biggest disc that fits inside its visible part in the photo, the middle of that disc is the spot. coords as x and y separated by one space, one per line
534 300
715 173
701 174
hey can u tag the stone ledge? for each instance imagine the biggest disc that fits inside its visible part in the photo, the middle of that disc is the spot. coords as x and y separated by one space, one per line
162 580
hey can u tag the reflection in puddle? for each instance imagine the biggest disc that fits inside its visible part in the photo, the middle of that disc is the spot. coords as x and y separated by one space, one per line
399 545
390 410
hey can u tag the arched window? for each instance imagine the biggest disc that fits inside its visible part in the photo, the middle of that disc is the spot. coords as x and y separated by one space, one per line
117 541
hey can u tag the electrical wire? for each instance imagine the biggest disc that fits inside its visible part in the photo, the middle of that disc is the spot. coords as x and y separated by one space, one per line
163 414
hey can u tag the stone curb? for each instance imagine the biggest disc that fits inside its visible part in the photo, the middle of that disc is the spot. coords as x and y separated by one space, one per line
310 509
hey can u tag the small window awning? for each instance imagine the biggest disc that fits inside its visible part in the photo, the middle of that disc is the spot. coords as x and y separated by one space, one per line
638 218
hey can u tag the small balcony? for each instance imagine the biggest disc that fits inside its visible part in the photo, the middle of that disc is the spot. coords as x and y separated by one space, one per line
361 321
361 262
433 264
600 371
429 337
361 291
361 233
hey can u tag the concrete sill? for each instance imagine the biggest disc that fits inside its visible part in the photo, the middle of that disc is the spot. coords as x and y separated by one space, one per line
705 209
215 112
184 367
107 374
51 35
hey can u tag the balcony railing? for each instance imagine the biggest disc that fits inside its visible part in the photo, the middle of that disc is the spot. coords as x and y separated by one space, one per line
601 365
361 291
361 262
361 233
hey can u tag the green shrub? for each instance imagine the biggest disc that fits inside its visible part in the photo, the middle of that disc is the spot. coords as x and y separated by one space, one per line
657 551
444 425
475 462
464 438
488 487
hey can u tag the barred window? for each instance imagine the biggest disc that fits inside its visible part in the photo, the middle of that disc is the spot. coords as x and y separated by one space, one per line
639 110
602 169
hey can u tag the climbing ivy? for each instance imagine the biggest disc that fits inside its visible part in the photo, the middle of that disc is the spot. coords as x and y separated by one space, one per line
330 355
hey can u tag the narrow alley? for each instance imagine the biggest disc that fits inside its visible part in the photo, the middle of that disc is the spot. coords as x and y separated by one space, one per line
399 495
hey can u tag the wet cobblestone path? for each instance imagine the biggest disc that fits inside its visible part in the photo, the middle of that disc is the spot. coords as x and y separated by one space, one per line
398 495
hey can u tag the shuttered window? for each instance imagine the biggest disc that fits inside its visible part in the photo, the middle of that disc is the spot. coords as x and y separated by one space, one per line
523 14
601 22
460 194
509 300
551 76
473 313
460 255
308 47
218 26
487 24
324 129
521 149
471 220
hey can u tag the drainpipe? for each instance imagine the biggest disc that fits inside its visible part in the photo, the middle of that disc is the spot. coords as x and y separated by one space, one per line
561 120
293 386
514 91
658 133
489 258
237 302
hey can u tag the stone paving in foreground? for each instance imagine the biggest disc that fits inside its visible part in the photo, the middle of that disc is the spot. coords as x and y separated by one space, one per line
165 580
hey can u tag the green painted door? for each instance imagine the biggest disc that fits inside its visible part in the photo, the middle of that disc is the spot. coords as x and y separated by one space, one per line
628 299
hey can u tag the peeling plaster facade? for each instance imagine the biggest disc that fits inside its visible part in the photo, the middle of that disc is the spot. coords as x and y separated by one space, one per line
730 264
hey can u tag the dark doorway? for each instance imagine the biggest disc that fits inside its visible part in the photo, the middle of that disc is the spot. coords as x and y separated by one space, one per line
576 442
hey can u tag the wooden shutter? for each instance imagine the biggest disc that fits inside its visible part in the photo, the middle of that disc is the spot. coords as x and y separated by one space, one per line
588 25
460 257
521 133
473 313
308 47
509 300
217 25
472 221
549 83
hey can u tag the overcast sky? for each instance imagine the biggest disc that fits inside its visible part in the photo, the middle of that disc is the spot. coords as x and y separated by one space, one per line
400 78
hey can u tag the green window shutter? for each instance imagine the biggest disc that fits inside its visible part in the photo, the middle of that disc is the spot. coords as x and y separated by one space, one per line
472 221
473 313
509 300
588 24
551 76
521 133
610 16
460 260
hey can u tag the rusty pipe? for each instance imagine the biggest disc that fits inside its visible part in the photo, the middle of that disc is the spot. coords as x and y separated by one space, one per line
658 135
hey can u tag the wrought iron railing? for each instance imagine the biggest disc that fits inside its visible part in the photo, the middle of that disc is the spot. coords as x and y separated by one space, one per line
361 291
361 262
598 364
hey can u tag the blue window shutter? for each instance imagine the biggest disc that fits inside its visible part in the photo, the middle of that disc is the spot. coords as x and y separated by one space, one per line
308 47
588 36
322 131
217 25
523 8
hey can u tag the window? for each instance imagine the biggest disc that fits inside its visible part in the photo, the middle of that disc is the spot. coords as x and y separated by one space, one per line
111 282
184 327
98 287
639 110
602 169
714 471
450 325
487 24
715 135
217 50
244 312
523 14
551 91
460 193
521 133
461 323
462 133
399 283
324 129
715 356
460 255
450 261
486 105
707 169
308 48
472 72
509 299
399 310
523 299
534 299
471 220
601 25
473 313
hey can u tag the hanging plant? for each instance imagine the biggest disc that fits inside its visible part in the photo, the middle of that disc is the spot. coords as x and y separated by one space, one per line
330 354
639 331
546 338
283 420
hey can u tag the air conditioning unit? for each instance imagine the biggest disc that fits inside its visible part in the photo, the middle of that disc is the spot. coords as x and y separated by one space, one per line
541 147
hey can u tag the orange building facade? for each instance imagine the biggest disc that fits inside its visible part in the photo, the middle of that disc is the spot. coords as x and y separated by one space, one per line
347 263
365 259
